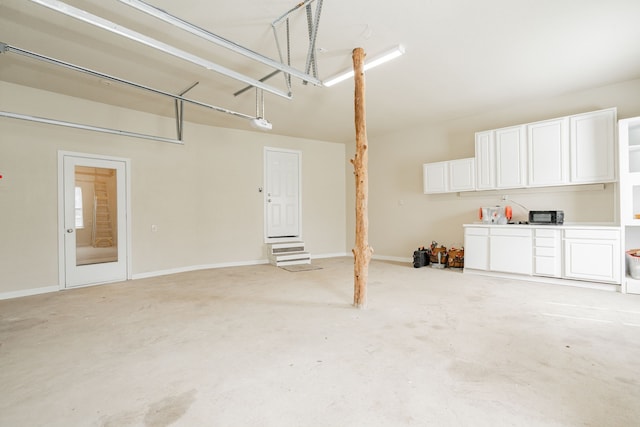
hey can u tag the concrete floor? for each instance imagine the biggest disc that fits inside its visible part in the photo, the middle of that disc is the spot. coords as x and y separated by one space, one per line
260 346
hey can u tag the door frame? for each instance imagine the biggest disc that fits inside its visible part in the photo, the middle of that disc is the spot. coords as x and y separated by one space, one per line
62 277
268 239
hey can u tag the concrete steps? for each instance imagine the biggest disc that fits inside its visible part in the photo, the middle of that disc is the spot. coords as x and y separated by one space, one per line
288 253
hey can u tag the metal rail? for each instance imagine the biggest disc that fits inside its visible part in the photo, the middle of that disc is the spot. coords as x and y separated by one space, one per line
153 43
87 127
179 99
221 41
8 48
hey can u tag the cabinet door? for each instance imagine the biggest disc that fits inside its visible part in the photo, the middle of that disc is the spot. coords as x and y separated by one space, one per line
510 157
548 152
435 177
592 255
510 251
476 248
485 162
462 175
593 146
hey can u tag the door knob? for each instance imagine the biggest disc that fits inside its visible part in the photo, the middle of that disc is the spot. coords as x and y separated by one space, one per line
69 230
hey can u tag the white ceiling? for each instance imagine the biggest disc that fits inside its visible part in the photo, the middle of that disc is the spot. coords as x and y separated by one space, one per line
462 57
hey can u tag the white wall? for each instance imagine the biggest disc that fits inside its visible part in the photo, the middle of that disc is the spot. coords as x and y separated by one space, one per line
203 195
401 217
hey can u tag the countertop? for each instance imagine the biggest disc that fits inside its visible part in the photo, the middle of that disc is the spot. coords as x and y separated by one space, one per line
566 225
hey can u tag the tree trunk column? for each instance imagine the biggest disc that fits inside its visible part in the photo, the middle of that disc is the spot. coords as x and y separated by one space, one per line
362 251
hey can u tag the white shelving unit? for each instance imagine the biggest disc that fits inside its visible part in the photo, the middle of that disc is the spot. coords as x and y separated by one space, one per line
629 138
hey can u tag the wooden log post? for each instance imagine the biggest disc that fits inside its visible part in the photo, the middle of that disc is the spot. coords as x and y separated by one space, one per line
362 251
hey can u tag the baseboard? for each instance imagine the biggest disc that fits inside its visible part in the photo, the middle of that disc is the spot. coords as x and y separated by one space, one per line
376 257
28 292
198 267
221 265
336 255
392 258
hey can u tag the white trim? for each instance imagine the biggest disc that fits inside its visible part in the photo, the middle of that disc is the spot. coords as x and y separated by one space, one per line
61 231
336 255
264 199
28 292
61 257
392 258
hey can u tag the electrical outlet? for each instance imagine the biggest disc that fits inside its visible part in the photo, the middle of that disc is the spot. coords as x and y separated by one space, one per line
154 228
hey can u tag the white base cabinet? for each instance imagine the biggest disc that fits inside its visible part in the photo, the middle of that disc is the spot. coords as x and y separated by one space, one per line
547 252
592 255
476 244
510 250
587 254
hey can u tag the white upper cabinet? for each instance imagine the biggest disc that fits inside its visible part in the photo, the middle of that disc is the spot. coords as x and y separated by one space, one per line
462 175
485 161
501 158
450 176
548 152
435 177
593 146
511 157
578 149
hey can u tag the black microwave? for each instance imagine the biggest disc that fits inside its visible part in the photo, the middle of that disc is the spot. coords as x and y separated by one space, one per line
546 217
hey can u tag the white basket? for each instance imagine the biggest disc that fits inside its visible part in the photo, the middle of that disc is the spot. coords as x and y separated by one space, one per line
633 263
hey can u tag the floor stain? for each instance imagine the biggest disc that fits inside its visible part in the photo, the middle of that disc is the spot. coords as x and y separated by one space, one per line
17 325
167 411
629 381
127 419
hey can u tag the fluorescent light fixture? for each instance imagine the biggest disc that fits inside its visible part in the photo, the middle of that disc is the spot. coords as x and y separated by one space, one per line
374 62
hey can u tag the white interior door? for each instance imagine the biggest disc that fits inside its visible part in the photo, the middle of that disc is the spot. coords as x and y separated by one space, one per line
94 220
282 194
